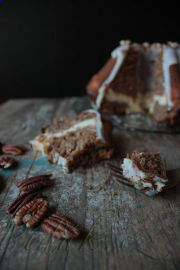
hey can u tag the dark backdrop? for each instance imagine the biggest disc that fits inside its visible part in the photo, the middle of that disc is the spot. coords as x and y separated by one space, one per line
50 48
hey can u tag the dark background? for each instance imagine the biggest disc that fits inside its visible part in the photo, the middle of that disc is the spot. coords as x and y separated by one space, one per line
50 48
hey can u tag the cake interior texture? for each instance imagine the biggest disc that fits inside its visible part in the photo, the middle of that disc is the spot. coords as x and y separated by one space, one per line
146 171
140 78
76 140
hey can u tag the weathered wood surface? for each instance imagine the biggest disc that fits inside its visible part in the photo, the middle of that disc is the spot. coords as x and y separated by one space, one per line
124 228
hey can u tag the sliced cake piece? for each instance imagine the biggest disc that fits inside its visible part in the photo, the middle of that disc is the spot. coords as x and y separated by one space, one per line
76 141
145 171
115 88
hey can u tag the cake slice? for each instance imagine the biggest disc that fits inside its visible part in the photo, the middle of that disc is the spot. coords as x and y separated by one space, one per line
145 171
115 88
76 140
139 78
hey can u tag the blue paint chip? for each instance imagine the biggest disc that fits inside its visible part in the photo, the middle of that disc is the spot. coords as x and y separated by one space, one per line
139 205
37 162
7 173
40 162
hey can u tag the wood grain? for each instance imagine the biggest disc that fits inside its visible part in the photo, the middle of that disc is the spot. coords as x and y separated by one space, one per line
123 229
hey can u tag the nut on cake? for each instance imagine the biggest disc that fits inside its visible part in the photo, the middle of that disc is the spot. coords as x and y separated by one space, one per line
145 171
76 140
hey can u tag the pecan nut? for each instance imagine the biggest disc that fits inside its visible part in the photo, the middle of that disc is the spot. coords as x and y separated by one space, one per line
6 162
20 201
31 213
59 226
35 183
13 149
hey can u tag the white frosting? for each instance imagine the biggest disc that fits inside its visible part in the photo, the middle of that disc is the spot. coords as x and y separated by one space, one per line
86 123
118 53
160 99
130 171
134 174
159 186
169 58
99 125
60 161
37 145
91 122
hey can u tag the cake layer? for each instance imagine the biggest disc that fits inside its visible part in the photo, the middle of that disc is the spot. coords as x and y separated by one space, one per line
76 141
146 172
68 121
140 77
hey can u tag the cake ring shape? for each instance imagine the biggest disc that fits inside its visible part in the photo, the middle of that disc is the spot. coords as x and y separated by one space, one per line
138 78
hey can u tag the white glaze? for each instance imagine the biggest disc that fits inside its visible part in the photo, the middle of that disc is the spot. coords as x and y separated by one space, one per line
37 145
118 53
170 57
130 171
99 125
86 123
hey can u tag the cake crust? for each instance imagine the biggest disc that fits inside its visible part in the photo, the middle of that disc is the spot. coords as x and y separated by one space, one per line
148 162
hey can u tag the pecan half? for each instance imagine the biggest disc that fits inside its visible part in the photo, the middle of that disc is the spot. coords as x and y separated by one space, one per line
20 201
31 213
59 226
13 149
35 183
6 162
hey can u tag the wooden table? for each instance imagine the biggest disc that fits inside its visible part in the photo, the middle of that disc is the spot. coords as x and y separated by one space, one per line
123 228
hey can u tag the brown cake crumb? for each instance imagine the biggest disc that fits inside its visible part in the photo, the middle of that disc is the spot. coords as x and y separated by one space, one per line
148 162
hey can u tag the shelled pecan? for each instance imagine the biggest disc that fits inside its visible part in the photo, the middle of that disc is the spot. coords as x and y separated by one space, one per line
31 213
59 226
13 149
6 162
35 183
20 201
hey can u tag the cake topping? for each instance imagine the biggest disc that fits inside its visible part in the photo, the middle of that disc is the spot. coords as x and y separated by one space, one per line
148 162
98 79
119 54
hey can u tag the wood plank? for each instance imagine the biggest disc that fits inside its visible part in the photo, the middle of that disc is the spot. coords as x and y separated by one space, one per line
126 230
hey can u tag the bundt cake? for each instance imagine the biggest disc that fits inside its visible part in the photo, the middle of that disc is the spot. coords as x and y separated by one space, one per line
139 78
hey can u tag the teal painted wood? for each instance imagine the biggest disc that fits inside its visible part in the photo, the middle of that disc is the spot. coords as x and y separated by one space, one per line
124 228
